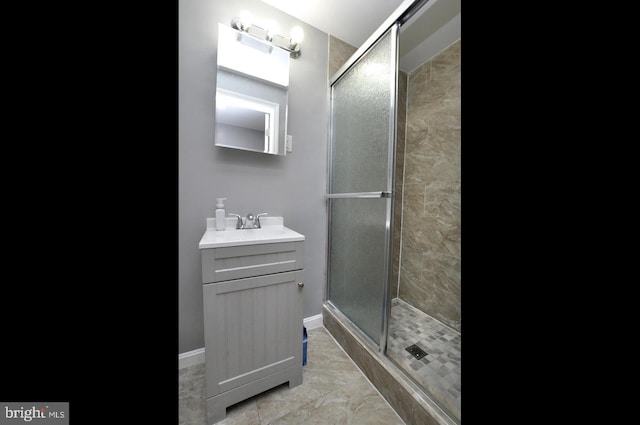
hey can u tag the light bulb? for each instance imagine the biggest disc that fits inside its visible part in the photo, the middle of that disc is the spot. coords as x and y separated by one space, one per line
297 34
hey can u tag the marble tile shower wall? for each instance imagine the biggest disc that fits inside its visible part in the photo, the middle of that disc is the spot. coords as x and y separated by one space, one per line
430 260
339 52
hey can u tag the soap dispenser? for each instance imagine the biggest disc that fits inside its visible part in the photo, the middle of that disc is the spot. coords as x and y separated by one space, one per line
220 215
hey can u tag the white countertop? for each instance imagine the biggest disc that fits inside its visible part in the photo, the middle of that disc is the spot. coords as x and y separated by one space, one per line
272 231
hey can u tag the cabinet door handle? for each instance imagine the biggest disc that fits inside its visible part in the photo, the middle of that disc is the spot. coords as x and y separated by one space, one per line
300 285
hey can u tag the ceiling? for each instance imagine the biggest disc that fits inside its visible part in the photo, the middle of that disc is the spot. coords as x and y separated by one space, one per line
352 21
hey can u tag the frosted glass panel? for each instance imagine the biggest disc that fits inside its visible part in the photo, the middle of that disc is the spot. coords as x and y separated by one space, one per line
360 146
357 261
361 109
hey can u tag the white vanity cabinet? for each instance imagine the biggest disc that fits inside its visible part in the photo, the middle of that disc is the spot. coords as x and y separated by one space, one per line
252 318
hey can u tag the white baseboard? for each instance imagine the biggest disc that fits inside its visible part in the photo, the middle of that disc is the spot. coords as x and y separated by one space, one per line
313 321
196 356
191 358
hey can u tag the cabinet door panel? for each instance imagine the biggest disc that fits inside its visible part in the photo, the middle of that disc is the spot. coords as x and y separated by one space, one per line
253 329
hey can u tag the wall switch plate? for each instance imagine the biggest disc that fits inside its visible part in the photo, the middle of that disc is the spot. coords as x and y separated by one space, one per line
289 143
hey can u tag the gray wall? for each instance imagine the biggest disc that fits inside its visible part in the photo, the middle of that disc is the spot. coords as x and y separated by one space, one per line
292 186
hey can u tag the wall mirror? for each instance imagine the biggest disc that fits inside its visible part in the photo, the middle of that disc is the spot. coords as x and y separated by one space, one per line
251 93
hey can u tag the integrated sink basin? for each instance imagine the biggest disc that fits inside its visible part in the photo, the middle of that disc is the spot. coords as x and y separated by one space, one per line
272 231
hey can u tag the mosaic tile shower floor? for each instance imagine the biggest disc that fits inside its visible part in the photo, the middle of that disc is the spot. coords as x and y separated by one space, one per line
439 371
333 391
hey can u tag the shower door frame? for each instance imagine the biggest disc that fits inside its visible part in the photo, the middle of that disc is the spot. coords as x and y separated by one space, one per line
391 24
384 194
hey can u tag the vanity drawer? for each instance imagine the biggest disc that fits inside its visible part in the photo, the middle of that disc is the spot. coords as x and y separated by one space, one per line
237 262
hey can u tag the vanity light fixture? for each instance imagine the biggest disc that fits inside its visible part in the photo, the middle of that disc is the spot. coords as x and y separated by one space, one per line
290 44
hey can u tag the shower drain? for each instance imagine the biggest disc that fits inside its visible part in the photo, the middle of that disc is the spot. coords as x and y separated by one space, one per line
416 351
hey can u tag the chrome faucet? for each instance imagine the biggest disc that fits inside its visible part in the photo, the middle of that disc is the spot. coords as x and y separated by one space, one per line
239 222
257 221
250 222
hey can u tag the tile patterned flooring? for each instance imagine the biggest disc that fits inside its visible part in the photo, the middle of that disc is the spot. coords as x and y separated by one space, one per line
439 371
333 391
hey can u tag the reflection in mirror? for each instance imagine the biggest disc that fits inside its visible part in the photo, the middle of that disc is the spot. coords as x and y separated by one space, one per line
251 93
247 121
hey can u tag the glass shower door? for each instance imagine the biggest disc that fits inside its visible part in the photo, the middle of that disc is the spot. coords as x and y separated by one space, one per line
362 152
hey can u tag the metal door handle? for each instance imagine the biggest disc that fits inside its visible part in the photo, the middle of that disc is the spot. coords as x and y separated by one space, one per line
383 194
300 285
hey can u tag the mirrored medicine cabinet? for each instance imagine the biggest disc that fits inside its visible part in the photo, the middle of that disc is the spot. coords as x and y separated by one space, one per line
251 93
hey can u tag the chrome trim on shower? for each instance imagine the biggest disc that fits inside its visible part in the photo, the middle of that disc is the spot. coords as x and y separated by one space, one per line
359 195
391 172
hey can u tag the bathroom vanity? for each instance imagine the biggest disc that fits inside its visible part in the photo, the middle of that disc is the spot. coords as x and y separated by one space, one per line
252 311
